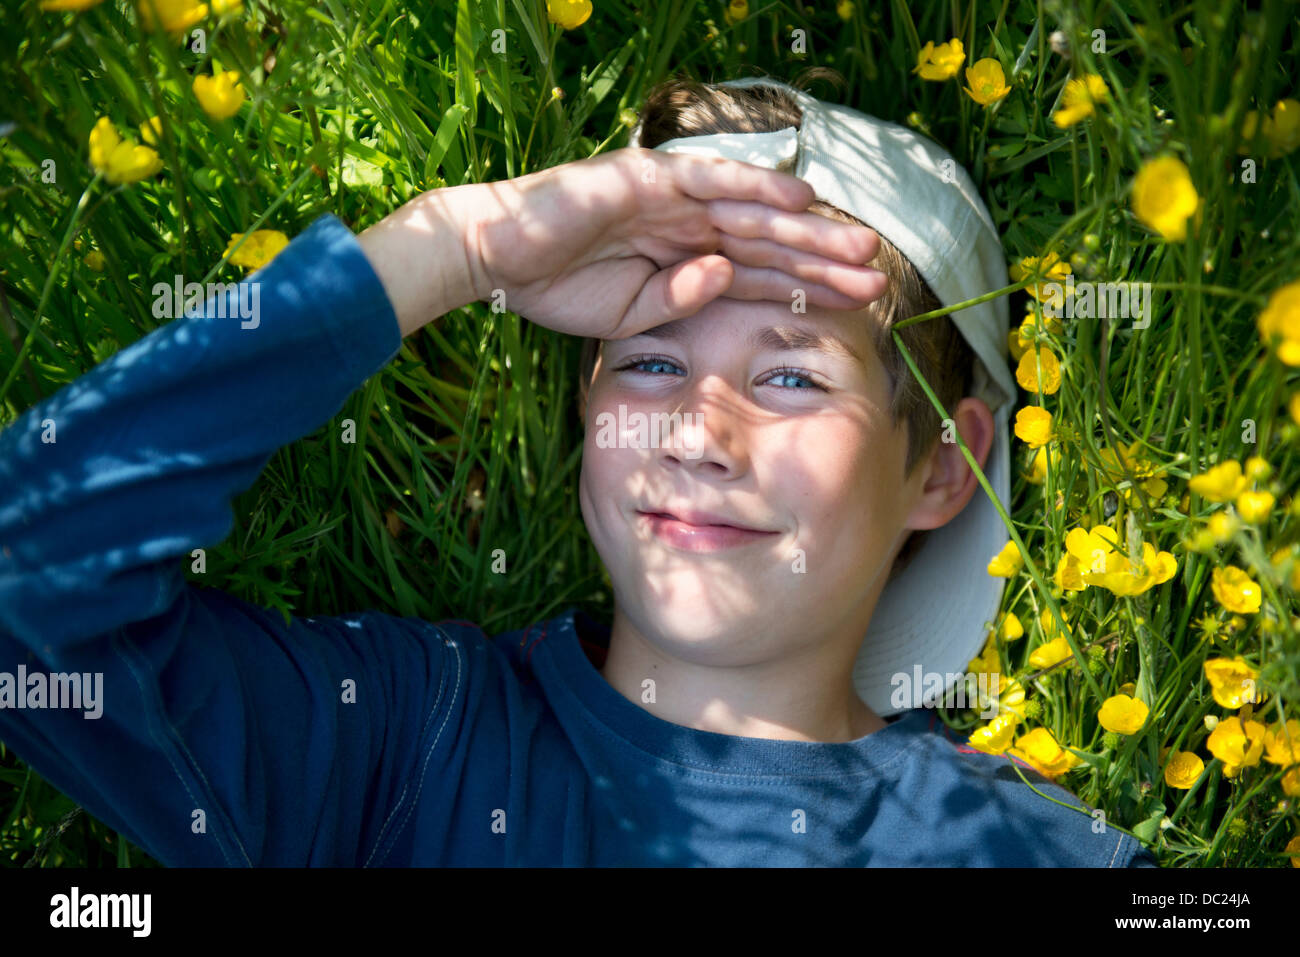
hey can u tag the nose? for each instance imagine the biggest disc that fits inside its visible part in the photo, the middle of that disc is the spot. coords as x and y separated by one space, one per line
708 435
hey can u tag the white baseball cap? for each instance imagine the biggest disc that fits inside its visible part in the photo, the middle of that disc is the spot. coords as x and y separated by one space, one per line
935 616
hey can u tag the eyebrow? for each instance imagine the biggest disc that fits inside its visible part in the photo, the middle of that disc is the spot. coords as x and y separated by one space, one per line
778 338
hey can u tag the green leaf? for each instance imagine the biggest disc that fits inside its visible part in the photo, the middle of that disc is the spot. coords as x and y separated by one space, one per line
1147 829
442 140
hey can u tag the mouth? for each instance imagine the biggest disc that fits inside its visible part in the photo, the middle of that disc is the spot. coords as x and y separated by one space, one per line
701 531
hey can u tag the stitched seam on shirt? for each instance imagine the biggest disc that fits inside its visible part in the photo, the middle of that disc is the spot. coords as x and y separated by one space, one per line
447 642
1116 851
161 740
528 656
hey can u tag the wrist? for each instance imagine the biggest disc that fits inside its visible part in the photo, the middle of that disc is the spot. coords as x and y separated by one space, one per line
420 255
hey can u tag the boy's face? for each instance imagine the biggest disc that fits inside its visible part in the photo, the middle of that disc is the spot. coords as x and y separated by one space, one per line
816 474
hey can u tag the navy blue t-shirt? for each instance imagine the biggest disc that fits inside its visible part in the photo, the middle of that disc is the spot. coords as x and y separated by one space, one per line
225 737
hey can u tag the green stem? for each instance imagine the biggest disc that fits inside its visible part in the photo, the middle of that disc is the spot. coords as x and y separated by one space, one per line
997 504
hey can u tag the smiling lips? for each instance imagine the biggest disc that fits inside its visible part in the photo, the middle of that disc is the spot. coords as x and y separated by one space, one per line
700 531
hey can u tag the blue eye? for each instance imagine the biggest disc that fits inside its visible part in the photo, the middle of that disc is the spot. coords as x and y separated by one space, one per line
657 365
637 363
798 376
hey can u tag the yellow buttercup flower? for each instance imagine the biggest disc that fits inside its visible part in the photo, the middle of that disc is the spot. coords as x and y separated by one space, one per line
1016 345
1045 377
1034 426
1047 622
1155 568
1235 590
1281 316
1281 129
1052 653
1238 744
151 130
1102 561
1080 98
1122 714
569 14
95 260
1033 315
174 16
1038 468
121 161
1095 550
1048 268
1223 483
736 11
985 81
1221 527
1011 629
262 246
1067 575
1281 556
940 62
1291 787
987 663
1039 749
1183 769
1254 507
1020 340
68 4
1006 562
222 7
1012 700
1257 468
1232 681
1293 848
995 737
844 9
1282 744
221 96
1164 198
1116 465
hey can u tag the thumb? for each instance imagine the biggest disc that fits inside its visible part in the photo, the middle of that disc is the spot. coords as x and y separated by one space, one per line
679 291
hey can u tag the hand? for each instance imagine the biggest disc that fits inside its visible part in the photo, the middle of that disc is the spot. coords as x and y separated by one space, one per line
590 248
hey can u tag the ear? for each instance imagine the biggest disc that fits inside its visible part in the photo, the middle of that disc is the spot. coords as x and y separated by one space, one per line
946 481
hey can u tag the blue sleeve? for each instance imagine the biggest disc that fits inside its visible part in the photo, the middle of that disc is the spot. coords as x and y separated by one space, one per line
1143 858
224 737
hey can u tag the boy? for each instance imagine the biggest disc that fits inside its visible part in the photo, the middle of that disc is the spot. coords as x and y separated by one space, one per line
722 728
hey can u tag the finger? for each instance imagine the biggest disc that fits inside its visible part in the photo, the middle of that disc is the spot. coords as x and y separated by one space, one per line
810 232
861 282
712 177
674 293
753 283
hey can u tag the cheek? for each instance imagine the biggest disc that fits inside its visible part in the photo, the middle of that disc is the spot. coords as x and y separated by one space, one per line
610 476
839 472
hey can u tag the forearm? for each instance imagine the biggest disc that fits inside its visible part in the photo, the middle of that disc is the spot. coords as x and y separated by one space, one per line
421 256
107 484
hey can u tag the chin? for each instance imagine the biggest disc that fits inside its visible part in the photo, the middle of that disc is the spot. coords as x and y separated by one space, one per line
689 617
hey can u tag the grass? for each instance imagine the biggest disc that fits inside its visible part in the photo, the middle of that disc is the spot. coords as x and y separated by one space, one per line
469 441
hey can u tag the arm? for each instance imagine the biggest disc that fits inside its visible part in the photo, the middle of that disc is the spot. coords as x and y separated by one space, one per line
207 703
419 254
211 704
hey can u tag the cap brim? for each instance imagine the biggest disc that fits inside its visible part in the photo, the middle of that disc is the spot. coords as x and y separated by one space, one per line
937 613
